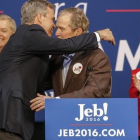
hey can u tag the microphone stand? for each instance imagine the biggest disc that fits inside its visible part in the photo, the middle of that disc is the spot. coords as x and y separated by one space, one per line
90 69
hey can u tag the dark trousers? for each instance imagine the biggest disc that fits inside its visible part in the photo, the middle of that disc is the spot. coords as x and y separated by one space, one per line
4 135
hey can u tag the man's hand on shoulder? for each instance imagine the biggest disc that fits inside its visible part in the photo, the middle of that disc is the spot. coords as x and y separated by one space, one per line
107 35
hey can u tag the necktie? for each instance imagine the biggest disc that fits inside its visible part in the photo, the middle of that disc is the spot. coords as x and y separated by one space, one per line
67 60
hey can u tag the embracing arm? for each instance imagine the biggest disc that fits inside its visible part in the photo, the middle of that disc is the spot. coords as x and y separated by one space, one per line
38 42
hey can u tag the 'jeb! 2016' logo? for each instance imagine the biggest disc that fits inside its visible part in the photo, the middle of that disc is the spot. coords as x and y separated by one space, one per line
95 112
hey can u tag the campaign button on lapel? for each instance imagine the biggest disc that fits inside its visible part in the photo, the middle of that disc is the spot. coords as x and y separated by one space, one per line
77 68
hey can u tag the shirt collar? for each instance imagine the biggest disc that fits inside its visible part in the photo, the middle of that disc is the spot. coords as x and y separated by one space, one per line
68 56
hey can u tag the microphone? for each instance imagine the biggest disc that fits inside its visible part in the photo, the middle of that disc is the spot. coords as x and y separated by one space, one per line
90 69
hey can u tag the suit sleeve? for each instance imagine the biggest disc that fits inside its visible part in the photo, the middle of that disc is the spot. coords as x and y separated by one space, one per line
38 42
101 74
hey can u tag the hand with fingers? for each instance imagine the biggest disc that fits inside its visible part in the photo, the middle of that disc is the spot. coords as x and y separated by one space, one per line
38 103
136 82
107 35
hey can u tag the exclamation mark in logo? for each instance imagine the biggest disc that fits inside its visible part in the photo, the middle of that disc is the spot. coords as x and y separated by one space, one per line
105 106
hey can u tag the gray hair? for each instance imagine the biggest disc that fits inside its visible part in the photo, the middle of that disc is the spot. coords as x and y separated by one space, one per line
11 21
31 8
78 19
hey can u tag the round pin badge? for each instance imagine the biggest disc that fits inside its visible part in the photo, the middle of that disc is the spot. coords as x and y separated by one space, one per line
138 75
77 68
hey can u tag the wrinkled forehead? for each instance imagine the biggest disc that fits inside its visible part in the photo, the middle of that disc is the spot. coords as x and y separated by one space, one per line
64 19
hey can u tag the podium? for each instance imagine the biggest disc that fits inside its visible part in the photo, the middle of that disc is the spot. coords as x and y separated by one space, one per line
91 119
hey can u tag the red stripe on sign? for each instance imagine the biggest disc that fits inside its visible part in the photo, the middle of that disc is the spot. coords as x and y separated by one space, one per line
128 10
91 124
1 12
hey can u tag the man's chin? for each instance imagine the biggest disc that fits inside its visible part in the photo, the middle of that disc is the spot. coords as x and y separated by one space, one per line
2 45
50 35
60 37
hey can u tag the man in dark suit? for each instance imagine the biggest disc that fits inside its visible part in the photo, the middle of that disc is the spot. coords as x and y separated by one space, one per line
70 73
24 63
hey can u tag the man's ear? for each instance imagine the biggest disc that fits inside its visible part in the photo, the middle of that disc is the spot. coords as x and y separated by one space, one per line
79 31
39 18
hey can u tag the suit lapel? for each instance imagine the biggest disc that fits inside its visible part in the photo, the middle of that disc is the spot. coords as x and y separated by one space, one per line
77 58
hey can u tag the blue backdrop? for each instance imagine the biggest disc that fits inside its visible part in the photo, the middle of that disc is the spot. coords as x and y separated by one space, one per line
121 16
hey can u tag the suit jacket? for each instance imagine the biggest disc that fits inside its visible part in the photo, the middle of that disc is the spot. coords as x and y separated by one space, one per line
74 82
134 93
24 64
